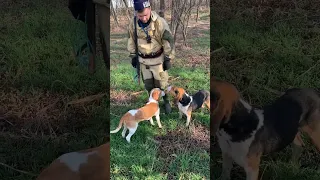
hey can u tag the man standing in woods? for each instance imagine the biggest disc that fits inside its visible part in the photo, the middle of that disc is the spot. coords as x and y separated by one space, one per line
153 49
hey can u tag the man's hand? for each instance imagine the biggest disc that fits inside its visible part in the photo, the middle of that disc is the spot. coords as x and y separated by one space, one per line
134 61
166 63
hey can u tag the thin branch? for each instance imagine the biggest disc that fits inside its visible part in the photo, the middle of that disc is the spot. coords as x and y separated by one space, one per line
310 68
20 171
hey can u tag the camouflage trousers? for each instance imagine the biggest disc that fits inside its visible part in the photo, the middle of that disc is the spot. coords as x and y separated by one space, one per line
153 74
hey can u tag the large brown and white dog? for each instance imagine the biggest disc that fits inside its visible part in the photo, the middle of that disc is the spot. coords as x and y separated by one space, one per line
187 103
131 119
89 164
246 133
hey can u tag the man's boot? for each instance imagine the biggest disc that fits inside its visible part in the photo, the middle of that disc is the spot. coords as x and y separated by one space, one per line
167 105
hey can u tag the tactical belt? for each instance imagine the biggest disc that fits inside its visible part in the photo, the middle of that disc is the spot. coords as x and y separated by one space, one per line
152 55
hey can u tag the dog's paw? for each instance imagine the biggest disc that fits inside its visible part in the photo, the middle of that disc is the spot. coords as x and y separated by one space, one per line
128 139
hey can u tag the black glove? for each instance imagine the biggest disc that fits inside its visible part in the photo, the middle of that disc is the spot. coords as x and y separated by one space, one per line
134 61
166 63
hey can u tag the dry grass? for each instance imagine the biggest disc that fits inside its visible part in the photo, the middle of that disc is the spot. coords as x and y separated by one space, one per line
122 97
180 140
41 112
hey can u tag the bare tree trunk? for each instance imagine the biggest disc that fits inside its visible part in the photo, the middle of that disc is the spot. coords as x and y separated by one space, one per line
178 10
127 9
175 18
162 8
152 4
172 15
180 16
185 21
114 14
199 3
197 17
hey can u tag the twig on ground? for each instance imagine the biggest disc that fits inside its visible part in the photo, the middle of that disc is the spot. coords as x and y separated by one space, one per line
87 99
264 169
21 171
273 91
114 115
4 118
287 19
311 55
217 50
263 50
43 110
310 69
136 93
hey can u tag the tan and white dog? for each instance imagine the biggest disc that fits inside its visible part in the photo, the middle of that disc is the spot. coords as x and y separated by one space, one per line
189 103
89 164
131 119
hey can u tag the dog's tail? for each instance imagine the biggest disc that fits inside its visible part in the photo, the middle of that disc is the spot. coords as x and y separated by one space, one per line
206 98
119 126
206 95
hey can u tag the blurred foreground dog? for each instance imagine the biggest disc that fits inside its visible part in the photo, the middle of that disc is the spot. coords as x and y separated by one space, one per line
246 133
89 164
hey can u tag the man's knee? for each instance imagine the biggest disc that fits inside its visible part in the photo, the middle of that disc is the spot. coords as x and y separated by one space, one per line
164 77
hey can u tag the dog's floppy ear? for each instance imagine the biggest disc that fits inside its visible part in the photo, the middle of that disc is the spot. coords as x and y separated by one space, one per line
223 97
217 113
159 93
155 94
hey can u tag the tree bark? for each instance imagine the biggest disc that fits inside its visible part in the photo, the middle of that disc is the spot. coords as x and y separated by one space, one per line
162 8
127 9
114 14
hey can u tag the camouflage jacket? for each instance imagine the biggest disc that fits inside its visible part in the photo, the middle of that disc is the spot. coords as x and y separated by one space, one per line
160 34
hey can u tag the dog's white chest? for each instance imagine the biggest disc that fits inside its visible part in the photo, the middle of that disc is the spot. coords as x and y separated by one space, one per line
184 109
238 150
